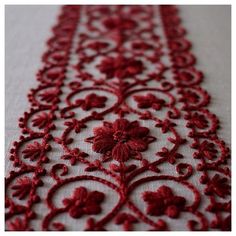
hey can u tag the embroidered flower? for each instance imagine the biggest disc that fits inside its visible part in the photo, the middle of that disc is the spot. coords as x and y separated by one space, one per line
119 23
42 120
120 67
127 220
98 45
122 138
22 188
219 206
165 125
189 97
18 225
207 150
141 46
197 120
188 76
218 185
91 101
77 125
164 202
84 203
35 150
149 101
74 156
171 157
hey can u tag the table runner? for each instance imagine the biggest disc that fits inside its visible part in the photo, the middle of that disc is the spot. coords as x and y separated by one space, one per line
139 137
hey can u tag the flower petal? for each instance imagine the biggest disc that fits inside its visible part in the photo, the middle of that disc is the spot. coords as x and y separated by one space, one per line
138 132
102 131
76 212
80 193
96 196
121 152
102 145
149 196
137 144
172 211
165 192
120 124
92 209
155 209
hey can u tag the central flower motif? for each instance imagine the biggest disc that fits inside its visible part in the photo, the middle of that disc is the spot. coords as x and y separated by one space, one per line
123 23
120 136
120 67
123 139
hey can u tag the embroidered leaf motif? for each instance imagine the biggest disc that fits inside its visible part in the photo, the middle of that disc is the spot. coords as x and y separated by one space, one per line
18 225
42 120
33 151
22 188
49 96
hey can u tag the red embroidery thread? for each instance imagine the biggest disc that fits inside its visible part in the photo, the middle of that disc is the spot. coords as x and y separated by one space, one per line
126 50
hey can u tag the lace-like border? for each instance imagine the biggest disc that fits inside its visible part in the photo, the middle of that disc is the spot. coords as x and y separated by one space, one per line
122 140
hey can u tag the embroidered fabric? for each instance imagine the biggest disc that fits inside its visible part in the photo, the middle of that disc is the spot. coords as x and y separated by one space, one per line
119 117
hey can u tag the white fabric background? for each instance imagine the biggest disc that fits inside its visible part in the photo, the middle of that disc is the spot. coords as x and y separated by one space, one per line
28 27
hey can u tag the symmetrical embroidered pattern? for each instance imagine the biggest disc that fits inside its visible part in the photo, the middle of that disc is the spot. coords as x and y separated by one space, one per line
118 136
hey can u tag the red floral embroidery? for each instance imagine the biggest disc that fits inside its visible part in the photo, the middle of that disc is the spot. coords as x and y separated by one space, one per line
22 188
42 120
189 96
122 139
92 100
49 96
207 150
84 202
170 156
35 151
127 220
18 225
121 67
198 120
219 186
141 46
107 42
223 224
164 202
117 22
97 46
76 125
149 101
165 125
